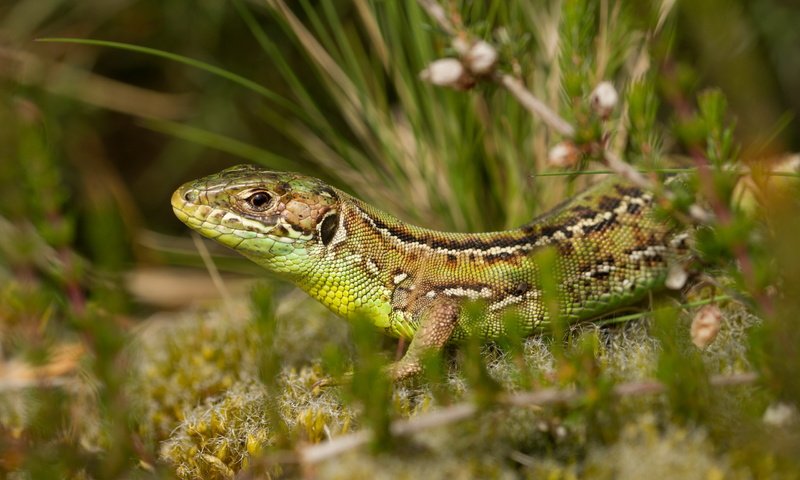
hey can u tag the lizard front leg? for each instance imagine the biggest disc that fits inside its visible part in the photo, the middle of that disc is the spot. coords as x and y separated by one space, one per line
437 323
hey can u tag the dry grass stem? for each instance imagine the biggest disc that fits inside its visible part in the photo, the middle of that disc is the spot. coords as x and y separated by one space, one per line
455 413
70 81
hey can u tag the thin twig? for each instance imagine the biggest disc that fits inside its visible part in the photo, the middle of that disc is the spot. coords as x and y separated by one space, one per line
213 272
64 361
336 446
548 396
626 170
536 106
437 13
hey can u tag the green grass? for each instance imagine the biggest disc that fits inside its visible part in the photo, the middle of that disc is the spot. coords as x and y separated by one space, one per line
90 389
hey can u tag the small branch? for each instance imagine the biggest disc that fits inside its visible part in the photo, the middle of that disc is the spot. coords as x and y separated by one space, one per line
213 272
462 411
539 109
626 170
336 446
439 418
437 13
512 84
536 106
63 362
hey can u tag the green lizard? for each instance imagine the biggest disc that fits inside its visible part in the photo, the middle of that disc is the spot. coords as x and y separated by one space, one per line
417 283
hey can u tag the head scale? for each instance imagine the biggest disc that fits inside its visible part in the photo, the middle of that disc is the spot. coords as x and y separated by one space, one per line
260 213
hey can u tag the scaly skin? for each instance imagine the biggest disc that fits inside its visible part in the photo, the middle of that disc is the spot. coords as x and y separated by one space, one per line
426 285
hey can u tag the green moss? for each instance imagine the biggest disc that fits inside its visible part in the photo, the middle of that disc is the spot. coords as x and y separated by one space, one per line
365 466
220 393
179 362
210 359
217 438
647 450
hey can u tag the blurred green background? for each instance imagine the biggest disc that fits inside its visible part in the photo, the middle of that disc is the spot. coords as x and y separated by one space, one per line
94 139
97 104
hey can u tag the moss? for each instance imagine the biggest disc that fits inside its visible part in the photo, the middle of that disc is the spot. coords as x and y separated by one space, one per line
210 359
311 414
179 362
196 385
305 328
646 450
365 466
217 438
728 353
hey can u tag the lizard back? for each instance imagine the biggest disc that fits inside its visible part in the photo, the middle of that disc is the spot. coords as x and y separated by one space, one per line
362 262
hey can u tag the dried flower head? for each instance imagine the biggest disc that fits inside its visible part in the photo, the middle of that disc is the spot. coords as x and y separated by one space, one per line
604 99
481 58
676 277
563 155
706 325
447 72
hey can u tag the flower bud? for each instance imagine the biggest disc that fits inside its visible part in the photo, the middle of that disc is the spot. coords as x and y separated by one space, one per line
563 155
604 99
780 414
481 58
700 214
676 277
461 45
446 72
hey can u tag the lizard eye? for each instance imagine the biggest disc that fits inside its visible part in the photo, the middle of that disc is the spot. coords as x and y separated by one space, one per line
259 201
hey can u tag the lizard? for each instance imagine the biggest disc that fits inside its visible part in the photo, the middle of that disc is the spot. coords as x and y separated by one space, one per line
424 285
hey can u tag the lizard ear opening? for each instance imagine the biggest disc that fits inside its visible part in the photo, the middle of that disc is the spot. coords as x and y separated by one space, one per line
328 227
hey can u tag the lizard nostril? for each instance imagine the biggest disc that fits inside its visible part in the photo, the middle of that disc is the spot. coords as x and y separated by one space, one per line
190 196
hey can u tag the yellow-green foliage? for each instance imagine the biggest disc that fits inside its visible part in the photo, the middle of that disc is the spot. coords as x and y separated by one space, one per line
414 465
199 381
333 89
647 450
217 438
196 384
220 436
310 414
181 362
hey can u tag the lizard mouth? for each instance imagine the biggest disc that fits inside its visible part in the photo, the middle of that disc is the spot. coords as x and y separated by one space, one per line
179 205
205 219
224 224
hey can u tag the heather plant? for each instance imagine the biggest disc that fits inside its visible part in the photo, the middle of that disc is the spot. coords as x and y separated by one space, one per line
456 115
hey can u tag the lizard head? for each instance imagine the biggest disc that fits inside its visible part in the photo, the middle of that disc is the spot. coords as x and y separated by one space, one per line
262 214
